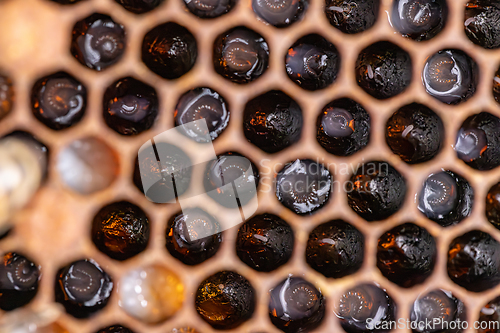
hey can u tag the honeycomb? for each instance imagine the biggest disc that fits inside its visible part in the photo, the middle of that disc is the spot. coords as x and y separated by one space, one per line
55 227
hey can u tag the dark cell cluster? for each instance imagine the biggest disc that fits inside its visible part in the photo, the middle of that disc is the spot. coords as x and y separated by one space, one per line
383 70
154 175
312 62
303 186
343 127
352 16
201 103
209 8
225 300
169 50
376 190
440 308
19 278
364 302
130 106
478 141
450 76
446 198
58 100
272 121
280 13
98 41
193 236
121 230
231 180
6 95
139 6
296 305
482 18
83 288
419 19
406 254
474 261
415 133
335 249
240 55
265 242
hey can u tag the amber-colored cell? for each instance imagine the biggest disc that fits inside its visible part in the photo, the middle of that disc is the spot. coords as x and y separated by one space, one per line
88 165
151 294
120 230
6 95
225 300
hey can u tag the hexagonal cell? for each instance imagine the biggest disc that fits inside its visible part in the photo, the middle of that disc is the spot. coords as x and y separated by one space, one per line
272 121
343 127
406 254
120 230
481 23
130 106
240 55
88 165
151 294
335 249
312 62
383 70
58 100
450 76
446 198
474 261
415 133
169 50
209 8
489 317
115 329
98 42
352 16
139 6
419 19
280 14
493 205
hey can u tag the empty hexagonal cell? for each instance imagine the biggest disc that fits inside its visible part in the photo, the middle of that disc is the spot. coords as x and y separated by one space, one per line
183 239
438 311
406 254
446 198
151 294
169 50
6 95
383 70
240 55
303 186
130 106
335 249
19 279
450 76
209 8
481 23
478 142
343 127
202 103
352 16
419 19
120 230
376 190
140 6
296 305
363 306
272 121
474 261
265 242
98 41
312 62
83 288
225 300
280 13
58 100
415 133
88 165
